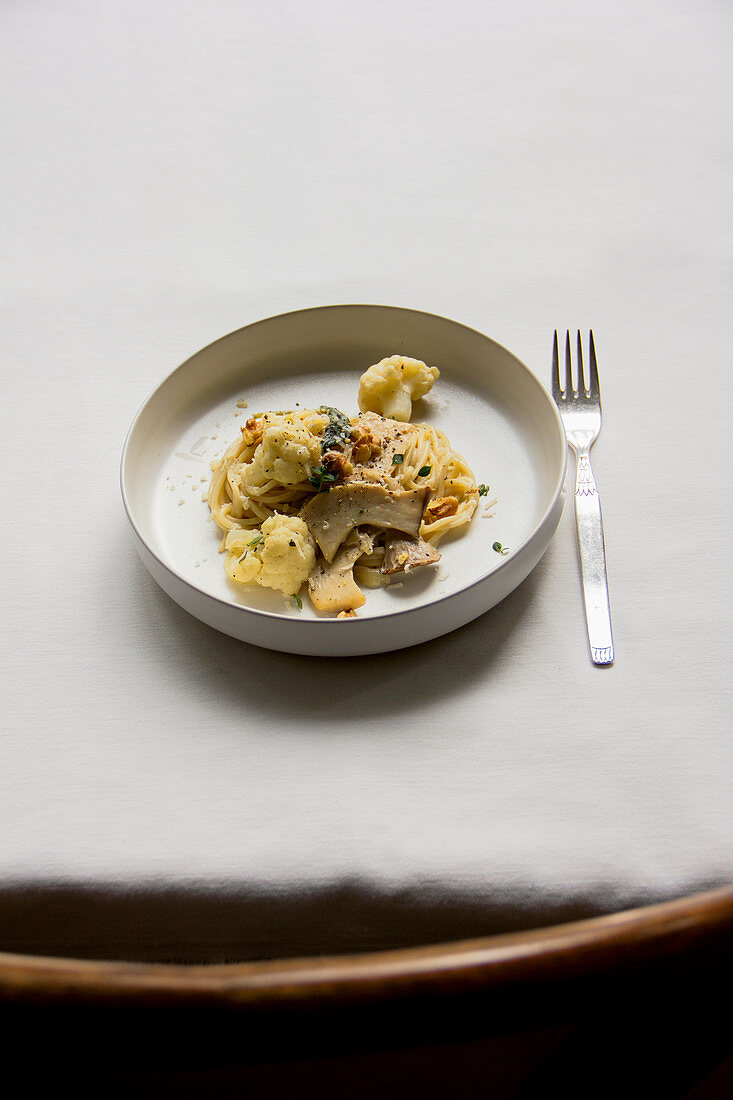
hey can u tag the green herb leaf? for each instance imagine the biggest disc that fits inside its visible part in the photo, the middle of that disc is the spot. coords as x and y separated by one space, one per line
424 471
257 540
298 600
338 431
397 460
483 490
500 549
322 479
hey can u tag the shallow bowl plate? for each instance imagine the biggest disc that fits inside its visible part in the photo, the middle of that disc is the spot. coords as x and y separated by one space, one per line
493 409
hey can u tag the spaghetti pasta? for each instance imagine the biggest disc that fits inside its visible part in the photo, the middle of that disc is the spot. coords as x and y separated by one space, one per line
396 488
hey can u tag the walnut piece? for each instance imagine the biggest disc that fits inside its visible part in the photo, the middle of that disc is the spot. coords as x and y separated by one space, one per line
335 462
365 446
440 508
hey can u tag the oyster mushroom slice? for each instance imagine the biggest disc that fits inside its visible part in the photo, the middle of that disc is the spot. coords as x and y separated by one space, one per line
383 439
403 553
331 585
333 515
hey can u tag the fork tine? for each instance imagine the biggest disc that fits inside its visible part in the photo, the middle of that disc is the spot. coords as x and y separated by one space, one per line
580 369
569 384
593 387
557 386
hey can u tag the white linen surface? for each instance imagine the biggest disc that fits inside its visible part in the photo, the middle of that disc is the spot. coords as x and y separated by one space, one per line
174 171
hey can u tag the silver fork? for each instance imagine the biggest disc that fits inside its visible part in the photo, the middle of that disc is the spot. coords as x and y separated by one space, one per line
579 402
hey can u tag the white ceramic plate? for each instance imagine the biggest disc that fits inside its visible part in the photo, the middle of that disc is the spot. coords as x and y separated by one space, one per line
494 410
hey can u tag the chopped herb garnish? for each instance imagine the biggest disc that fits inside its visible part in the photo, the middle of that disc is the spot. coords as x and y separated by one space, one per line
397 460
483 490
360 511
257 540
500 549
322 479
338 431
424 471
298 600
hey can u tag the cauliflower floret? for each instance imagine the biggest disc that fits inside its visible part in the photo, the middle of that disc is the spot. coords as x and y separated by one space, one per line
281 555
242 562
390 387
287 454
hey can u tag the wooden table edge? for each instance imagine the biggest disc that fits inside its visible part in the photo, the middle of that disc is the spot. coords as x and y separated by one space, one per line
685 928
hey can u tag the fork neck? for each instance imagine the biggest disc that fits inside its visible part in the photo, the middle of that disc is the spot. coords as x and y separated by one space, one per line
581 443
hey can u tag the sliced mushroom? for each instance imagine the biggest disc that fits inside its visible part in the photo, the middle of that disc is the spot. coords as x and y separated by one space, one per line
333 515
401 554
331 585
376 441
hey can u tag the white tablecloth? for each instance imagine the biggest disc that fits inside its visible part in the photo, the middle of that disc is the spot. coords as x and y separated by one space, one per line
175 171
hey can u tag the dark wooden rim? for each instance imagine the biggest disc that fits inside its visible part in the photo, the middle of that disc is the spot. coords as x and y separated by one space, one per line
690 927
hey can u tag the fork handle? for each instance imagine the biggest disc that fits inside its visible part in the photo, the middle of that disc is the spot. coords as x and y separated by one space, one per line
592 549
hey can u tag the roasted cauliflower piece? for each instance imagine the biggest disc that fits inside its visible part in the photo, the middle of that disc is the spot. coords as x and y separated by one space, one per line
390 387
281 555
287 454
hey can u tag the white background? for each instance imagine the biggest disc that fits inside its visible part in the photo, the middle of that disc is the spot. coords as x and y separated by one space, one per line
173 171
